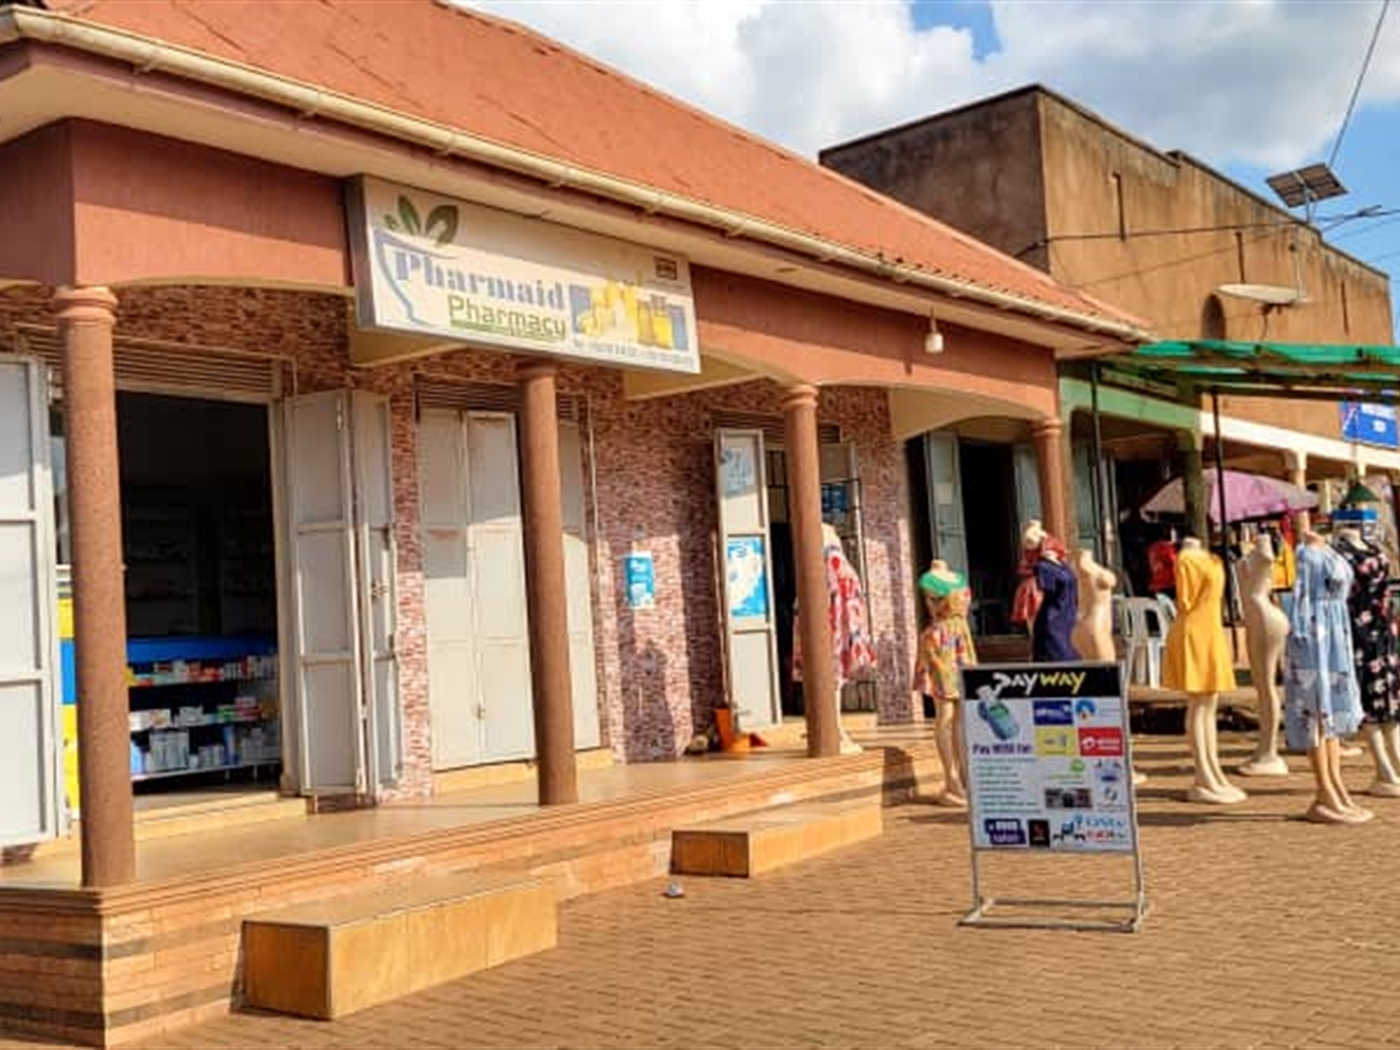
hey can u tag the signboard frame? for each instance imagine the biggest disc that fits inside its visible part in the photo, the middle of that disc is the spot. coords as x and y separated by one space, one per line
1063 690
464 273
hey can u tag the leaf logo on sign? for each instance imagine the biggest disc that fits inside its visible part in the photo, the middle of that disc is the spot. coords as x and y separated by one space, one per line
441 225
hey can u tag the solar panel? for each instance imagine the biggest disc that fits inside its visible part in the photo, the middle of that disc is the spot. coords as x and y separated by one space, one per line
1306 185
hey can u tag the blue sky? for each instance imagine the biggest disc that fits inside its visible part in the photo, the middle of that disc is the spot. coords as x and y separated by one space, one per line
1365 163
1249 87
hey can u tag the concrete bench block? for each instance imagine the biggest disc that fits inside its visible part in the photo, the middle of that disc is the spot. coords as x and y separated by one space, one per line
750 845
335 957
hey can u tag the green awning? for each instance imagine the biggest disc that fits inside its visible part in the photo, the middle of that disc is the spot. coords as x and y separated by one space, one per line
1290 369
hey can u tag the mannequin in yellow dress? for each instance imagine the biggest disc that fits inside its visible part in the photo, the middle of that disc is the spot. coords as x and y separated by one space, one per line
1198 663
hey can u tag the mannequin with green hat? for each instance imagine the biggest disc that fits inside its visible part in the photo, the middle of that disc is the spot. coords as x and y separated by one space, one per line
945 647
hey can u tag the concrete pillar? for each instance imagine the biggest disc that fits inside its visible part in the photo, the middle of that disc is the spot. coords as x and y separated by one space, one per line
86 317
1048 436
545 593
1297 464
813 601
1190 466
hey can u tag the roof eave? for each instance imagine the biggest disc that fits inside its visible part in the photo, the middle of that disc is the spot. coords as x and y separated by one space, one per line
151 55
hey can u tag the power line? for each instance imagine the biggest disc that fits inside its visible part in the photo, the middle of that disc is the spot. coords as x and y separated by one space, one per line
1360 79
1367 229
1176 231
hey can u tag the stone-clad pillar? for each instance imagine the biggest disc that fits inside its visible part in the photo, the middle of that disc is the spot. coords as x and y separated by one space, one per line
805 507
545 593
86 318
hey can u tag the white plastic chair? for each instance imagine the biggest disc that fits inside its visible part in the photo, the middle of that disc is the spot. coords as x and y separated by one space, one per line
1168 609
1145 622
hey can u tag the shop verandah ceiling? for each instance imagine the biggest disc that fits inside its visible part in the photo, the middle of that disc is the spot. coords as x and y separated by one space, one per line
1328 371
1185 370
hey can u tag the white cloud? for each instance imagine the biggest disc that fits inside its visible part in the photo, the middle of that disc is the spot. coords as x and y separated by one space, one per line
1258 81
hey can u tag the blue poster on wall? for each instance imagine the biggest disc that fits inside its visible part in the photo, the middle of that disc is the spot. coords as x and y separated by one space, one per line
746 574
639 569
1370 424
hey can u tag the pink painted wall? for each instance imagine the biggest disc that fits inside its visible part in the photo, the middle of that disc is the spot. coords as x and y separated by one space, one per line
156 209
826 340
36 214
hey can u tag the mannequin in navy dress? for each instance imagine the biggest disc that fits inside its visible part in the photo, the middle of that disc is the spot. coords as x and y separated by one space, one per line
1059 599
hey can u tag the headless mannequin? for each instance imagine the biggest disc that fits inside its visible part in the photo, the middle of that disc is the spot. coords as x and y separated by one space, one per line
1266 631
1332 803
1093 627
1202 712
1383 739
832 538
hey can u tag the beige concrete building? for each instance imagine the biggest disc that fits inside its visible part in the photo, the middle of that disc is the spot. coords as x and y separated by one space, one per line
1159 234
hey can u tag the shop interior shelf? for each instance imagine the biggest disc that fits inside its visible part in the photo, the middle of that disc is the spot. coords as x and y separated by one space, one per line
205 723
201 769
154 683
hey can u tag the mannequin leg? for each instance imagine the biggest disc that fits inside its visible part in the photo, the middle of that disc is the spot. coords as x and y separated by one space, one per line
1387 782
1204 788
946 733
1354 812
848 746
1266 761
1217 772
1391 737
1327 807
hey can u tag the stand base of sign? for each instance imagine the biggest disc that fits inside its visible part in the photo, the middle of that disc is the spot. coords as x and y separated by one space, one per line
982 915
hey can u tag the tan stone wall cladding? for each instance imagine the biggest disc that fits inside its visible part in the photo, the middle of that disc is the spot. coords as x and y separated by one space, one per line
660 670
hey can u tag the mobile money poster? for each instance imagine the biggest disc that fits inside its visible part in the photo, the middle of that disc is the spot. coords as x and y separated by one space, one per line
1048 759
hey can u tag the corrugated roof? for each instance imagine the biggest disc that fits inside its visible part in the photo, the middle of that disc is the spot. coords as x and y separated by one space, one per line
500 81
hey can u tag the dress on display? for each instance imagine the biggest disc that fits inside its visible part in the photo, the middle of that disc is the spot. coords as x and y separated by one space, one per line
1373 630
1320 687
851 648
1059 608
1197 658
945 647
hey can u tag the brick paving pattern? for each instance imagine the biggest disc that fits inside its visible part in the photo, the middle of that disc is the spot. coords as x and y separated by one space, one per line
1265 931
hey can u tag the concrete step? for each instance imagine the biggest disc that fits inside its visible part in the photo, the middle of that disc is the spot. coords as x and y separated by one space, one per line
755 843
180 814
334 957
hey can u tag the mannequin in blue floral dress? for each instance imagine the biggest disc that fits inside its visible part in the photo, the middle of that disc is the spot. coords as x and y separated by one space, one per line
1321 699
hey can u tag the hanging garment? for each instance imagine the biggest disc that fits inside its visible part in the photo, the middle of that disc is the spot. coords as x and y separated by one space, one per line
1025 603
851 648
1197 655
945 648
1320 688
1161 561
1373 630
1059 608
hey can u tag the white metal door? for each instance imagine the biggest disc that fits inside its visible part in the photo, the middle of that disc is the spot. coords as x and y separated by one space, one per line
30 758
454 689
749 623
376 557
578 582
474 560
945 500
324 587
496 571
339 514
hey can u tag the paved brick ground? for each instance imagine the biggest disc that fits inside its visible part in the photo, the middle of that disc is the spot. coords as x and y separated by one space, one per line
1264 932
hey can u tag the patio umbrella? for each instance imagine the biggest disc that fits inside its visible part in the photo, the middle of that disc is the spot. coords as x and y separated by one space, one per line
1247 496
